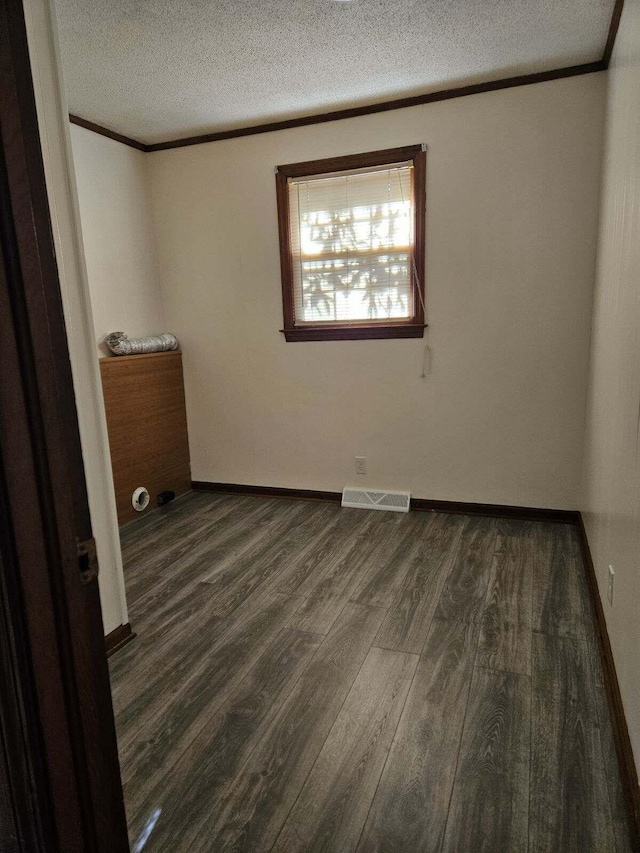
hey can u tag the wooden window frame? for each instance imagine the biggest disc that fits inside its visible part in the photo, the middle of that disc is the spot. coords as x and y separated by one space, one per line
414 326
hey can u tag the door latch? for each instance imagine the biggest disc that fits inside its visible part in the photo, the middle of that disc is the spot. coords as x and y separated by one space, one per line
87 560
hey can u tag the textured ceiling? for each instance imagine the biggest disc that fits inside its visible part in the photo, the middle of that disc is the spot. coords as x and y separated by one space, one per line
159 69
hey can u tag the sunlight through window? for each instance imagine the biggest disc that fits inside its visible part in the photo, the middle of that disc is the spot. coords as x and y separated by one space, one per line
351 243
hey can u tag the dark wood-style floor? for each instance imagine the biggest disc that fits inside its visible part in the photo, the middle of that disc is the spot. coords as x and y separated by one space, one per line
310 678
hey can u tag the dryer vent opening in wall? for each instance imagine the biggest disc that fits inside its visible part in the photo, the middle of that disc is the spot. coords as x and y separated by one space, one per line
369 499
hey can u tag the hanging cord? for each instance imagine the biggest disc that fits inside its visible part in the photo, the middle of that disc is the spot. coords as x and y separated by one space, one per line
426 357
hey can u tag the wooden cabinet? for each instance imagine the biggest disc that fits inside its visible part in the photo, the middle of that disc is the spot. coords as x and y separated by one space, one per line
147 423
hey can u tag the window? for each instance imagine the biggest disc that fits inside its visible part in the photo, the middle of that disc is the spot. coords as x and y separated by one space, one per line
352 246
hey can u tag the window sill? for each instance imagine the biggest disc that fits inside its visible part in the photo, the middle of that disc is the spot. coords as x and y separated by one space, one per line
354 333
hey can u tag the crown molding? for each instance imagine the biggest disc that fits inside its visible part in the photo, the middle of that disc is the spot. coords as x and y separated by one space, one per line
110 134
613 32
370 109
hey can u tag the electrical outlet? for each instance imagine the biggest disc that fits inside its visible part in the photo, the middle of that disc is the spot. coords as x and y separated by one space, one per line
611 577
361 464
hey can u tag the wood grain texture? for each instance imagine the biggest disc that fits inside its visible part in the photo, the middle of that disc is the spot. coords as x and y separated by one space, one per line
304 574
216 546
255 806
149 549
186 783
175 613
147 425
172 709
407 623
570 807
560 597
293 541
235 725
379 586
410 808
332 807
167 650
505 638
616 714
152 679
464 593
490 800
350 563
617 797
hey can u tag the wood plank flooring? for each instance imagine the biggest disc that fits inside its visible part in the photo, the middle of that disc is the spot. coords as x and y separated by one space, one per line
308 678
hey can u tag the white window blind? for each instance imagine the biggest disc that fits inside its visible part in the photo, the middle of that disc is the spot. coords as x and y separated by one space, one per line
351 245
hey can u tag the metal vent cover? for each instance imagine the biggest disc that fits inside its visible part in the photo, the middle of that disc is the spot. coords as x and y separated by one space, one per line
378 499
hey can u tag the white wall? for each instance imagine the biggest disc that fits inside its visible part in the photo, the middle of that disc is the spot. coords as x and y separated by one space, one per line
56 151
119 246
611 498
512 205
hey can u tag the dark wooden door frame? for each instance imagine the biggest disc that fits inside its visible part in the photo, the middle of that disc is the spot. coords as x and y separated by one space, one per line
62 788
